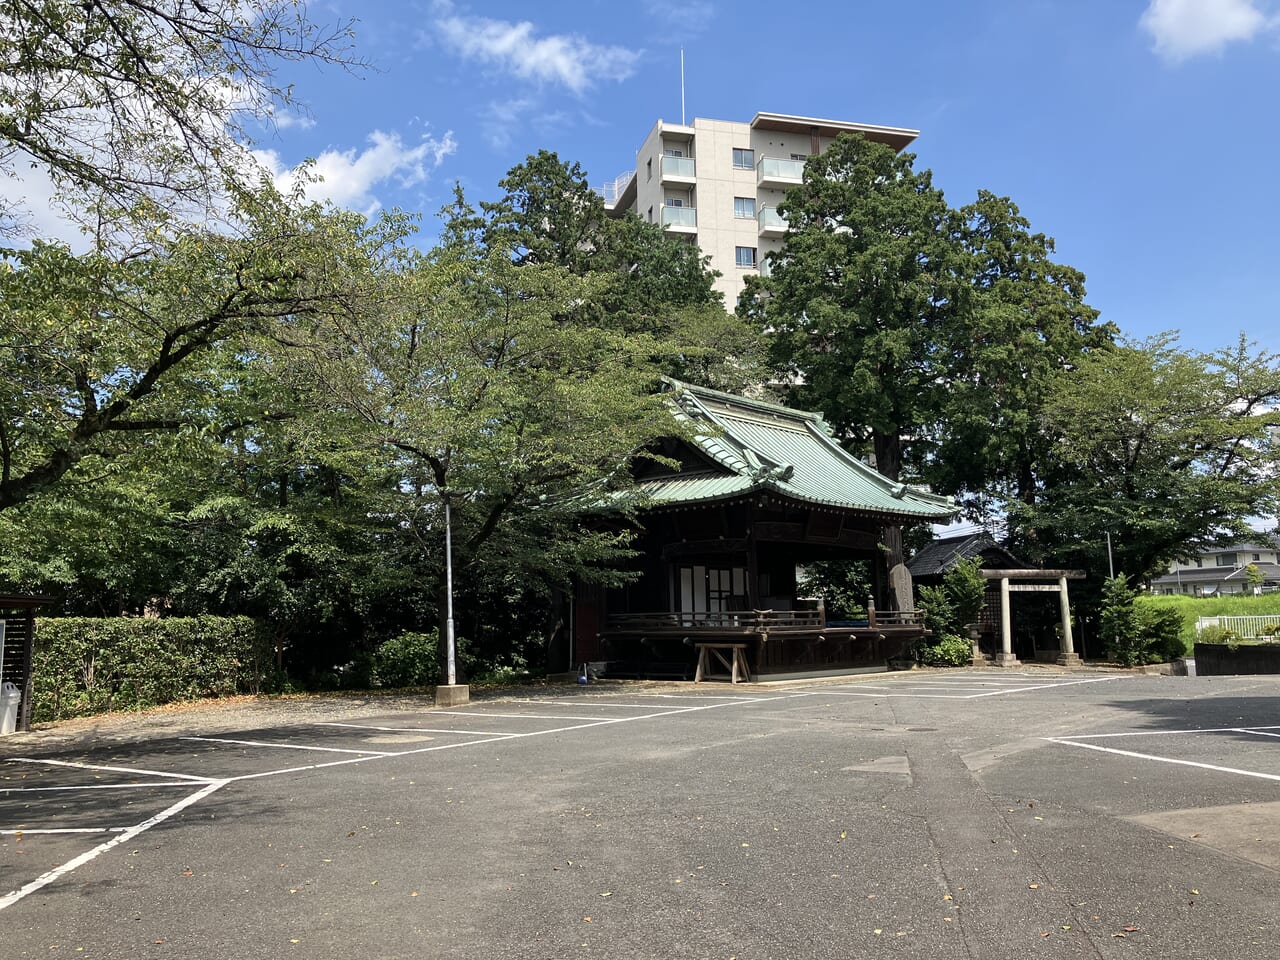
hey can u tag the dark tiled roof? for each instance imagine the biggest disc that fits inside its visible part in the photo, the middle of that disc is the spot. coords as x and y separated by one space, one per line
940 556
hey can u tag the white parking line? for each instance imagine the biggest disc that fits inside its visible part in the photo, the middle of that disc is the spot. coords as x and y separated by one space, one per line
1147 756
96 786
520 716
472 733
123 836
212 785
24 833
595 702
289 746
1165 733
93 766
885 691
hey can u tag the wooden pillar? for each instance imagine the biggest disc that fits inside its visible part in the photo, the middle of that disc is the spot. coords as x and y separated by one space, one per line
1005 658
754 601
1067 656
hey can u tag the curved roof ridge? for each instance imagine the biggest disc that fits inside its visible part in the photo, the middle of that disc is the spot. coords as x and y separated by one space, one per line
733 399
896 488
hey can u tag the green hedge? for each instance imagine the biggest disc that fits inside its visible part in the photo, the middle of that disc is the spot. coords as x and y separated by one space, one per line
1190 608
85 665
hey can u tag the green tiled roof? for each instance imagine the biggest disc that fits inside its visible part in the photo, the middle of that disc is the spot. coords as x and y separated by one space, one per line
759 447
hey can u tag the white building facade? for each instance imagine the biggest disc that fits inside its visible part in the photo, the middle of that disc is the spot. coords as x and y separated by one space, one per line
719 183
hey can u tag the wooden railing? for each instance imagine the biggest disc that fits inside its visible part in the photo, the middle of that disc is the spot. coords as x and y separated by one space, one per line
894 618
750 621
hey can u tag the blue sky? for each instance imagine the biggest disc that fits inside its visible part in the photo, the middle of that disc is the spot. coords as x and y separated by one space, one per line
1141 134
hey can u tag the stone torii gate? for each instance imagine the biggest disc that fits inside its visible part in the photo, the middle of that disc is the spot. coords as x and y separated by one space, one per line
1067 656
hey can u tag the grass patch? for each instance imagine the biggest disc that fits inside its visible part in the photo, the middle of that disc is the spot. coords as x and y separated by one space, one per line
1190 608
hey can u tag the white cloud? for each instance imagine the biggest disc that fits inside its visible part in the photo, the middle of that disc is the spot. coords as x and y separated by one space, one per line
566 59
348 178
1186 28
34 210
686 16
283 121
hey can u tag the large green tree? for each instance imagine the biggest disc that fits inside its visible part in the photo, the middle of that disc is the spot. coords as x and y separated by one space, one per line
860 297
658 284
478 380
1025 321
860 301
99 352
1170 450
138 101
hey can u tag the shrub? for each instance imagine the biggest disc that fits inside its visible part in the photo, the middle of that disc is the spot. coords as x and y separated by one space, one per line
1216 634
966 589
86 665
408 660
939 612
1119 623
947 650
1162 632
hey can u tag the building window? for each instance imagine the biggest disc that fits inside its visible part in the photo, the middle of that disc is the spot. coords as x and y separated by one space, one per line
744 208
651 214
744 159
672 152
1226 559
648 166
745 256
1257 557
1199 561
799 156
675 202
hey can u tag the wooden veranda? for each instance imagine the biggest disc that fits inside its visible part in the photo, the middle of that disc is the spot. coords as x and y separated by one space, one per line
774 643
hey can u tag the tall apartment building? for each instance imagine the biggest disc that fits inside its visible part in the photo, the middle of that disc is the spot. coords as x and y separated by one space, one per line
719 183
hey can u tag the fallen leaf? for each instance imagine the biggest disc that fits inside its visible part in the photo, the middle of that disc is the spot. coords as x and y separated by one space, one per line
586 919
1195 893
1033 886
947 896
843 834
1131 929
610 893
877 932
414 894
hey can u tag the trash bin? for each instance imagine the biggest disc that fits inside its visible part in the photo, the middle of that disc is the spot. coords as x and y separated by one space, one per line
10 698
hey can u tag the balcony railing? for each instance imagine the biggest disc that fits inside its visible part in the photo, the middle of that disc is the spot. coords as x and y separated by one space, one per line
677 168
775 170
772 223
680 218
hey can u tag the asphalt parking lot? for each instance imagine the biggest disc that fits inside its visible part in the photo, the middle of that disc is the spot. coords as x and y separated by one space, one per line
936 814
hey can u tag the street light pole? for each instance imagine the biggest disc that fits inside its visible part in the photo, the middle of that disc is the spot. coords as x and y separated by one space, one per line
452 673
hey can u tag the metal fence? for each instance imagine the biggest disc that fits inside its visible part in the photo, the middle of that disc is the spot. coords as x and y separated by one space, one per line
1247 627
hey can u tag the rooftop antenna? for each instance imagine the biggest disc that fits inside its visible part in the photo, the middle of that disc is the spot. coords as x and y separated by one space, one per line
682 86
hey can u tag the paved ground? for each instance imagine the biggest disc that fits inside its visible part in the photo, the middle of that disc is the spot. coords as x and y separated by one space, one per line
939 815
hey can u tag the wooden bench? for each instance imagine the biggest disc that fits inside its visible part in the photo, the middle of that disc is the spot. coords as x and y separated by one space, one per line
735 662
